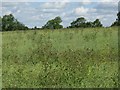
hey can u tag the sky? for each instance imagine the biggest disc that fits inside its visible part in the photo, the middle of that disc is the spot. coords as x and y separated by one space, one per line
38 13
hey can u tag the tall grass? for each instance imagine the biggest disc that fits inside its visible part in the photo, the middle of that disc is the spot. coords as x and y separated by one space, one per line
65 58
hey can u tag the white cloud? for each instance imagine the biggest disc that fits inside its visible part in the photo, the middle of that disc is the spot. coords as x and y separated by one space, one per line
53 5
13 7
50 10
92 10
59 0
109 0
99 16
87 2
68 18
81 10
7 12
18 11
107 3
63 14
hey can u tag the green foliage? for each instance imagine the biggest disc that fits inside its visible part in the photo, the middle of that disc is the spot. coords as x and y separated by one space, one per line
117 22
81 22
118 15
9 23
53 24
97 23
89 24
67 58
0 24
35 27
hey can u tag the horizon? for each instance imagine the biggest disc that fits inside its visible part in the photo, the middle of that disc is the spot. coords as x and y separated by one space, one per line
38 13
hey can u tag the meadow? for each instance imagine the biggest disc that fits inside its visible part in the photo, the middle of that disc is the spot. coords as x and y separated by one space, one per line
60 58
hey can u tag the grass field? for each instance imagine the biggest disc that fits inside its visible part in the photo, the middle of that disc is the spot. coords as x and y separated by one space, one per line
65 58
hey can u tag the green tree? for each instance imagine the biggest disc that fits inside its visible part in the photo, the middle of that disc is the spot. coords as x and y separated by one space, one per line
7 22
10 23
117 22
79 22
89 24
35 27
97 23
53 24
118 19
0 24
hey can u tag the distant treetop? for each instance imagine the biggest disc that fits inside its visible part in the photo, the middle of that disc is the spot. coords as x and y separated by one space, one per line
53 24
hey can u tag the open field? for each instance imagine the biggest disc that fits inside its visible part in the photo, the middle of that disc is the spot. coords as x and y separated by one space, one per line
65 58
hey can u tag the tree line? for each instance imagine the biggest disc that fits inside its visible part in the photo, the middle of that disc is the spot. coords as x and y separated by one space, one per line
10 23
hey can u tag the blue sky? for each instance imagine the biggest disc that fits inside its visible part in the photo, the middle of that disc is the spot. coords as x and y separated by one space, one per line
38 13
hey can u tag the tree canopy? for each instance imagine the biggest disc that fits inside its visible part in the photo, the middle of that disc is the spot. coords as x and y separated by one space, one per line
10 23
81 22
0 23
97 23
117 22
53 24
